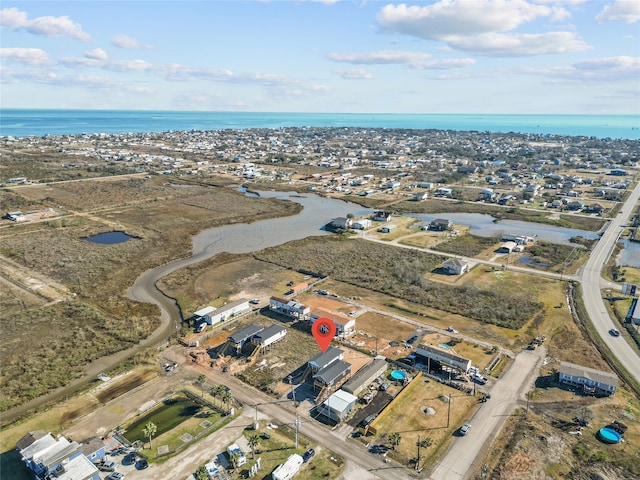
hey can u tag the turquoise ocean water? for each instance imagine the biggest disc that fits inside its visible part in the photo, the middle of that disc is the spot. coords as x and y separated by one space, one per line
22 123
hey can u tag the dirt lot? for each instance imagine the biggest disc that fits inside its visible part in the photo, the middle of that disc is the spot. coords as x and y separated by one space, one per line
544 444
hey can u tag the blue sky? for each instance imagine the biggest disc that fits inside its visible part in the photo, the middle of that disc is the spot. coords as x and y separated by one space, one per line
447 56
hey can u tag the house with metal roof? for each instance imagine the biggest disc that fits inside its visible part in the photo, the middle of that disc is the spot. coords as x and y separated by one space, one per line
331 375
269 336
323 360
228 311
289 308
338 406
428 353
455 266
367 374
241 337
591 380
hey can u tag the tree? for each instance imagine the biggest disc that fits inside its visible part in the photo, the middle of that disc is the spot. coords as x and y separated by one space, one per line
201 381
215 390
149 431
253 442
227 398
425 442
201 473
394 440
233 458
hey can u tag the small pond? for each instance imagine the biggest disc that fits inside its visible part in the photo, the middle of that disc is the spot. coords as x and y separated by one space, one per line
109 238
171 413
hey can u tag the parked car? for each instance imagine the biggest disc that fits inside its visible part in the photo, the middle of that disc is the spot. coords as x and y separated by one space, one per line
255 301
107 466
384 386
115 476
131 458
412 340
614 332
265 436
367 421
306 456
465 429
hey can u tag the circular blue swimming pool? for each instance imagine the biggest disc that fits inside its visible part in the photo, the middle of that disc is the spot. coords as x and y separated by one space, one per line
609 435
398 375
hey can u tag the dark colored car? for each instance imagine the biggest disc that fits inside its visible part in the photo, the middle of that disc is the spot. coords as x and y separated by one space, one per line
412 340
142 463
265 436
306 456
614 332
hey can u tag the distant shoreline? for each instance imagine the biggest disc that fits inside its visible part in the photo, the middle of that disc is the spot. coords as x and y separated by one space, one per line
40 122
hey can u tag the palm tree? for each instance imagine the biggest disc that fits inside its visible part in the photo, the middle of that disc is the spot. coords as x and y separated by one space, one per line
149 431
425 442
227 398
201 381
253 442
201 473
214 392
394 440
233 458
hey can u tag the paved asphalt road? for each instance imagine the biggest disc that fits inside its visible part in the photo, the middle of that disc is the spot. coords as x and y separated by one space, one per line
459 460
590 279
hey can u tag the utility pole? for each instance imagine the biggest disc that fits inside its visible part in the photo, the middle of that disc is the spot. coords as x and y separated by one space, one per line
297 424
449 411
418 462
256 425
293 392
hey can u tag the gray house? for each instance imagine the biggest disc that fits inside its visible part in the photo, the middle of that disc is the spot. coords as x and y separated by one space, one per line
592 381
331 375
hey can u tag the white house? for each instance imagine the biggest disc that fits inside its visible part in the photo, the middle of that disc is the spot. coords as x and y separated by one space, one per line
288 469
204 315
455 266
443 192
235 449
420 196
507 247
338 405
290 308
345 325
593 381
361 224
227 311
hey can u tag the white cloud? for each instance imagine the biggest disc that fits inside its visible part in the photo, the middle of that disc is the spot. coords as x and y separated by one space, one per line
353 74
622 68
97 54
514 45
27 56
458 17
125 41
621 11
389 57
480 26
380 57
15 19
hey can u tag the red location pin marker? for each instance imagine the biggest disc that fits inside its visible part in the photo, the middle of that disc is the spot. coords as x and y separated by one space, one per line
323 330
